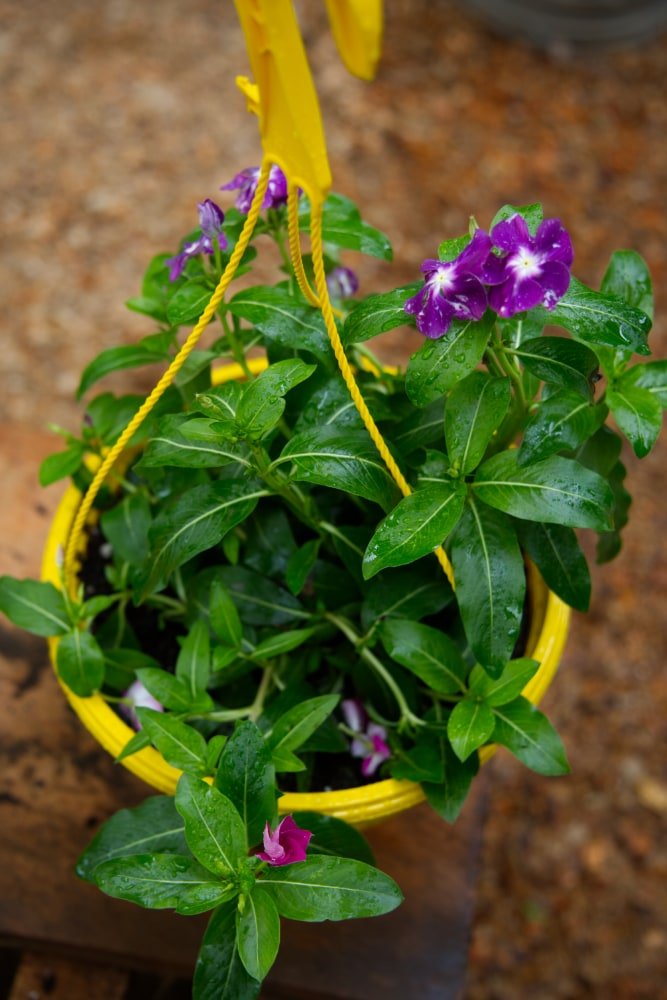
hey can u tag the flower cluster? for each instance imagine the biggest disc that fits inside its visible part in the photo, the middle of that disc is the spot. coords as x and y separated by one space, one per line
508 270
370 739
245 183
211 218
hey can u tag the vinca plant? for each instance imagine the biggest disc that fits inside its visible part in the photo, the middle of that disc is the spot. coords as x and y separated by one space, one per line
263 606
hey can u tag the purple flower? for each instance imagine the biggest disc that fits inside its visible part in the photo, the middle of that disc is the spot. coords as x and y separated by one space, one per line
370 743
286 844
342 283
532 270
140 697
452 289
211 218
246 184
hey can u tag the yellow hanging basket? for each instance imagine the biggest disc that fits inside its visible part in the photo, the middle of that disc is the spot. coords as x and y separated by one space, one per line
366 804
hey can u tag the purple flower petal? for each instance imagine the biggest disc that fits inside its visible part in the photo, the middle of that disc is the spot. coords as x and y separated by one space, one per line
342 283
473 257
286 845
354 714
245 183
555 281
211 218
511 233
140 698
494 271
553 240
469 301
433 312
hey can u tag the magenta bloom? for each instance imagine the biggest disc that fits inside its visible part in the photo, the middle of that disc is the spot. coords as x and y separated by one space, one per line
246 184
532 270
140 698
211 218
286 844
342 283
370 743
452 289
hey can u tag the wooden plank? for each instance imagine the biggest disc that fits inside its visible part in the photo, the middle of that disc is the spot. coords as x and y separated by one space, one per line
39 977
58 786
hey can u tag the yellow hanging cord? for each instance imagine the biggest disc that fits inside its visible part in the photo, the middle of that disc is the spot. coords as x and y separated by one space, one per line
295 246
348 375
171 372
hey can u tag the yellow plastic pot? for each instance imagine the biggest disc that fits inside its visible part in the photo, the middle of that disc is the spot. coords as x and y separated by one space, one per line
365 804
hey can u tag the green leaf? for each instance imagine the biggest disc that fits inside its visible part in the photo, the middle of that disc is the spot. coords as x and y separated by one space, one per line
531 213
557 490
213 828
416 525
137 742
439 364
283 320
331 404
343 226
172 445
345 460
197 522
422 429
173 692
194 659
80 663
162 881
152 827
475 409
36 607
378 313
447 796
322 888
282 642
628 277
562 421
263 402
601 452
638 414
147 352
599 319
294 727
450 249
560 361
490 582
334 837
469 726
413 592
556 553
220 401
247 777
224 617
529 735
258 932
300 565
423 762
126 528
651 376
122 664
507 687
63 463
260 601
219 972
188 303
286 761
180 744
609 542
426 652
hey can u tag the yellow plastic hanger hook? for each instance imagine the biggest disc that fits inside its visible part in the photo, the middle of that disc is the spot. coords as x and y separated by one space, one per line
357 28
284 95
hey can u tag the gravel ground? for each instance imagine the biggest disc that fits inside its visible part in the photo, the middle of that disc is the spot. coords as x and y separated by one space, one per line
117 117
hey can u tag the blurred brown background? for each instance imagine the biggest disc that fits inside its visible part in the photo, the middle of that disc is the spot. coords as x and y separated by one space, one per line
117 117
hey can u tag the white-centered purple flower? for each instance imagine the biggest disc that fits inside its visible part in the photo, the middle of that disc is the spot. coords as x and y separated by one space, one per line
138 697
370 743
531 270
285 845
452 289
342 282
211 218
245 183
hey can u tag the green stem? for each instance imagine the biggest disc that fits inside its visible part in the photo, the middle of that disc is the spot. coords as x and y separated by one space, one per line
236 347
344 626
262 691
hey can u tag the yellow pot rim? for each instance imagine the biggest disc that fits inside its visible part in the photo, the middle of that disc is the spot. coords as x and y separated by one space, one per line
362 804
